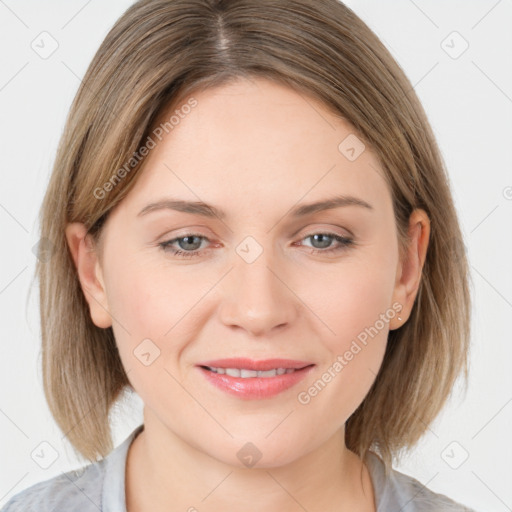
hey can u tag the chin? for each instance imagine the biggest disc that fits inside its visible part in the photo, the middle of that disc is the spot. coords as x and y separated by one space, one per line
259 452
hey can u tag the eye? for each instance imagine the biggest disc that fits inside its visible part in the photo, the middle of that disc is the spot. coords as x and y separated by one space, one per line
324 242
189 244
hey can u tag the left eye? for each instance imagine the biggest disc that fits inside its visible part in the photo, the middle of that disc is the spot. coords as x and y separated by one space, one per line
190 243
327 238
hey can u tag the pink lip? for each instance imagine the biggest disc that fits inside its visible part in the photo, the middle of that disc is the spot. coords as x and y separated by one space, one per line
256 387
251 364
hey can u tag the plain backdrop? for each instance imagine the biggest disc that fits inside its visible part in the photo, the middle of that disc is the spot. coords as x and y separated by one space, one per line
457 55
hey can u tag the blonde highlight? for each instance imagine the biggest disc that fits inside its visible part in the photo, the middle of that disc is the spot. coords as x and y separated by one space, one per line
157 54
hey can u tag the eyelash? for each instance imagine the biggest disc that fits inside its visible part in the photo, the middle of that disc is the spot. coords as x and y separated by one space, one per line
344 242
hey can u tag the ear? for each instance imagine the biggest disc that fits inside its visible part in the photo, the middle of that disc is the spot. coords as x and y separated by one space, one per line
85 257
408 276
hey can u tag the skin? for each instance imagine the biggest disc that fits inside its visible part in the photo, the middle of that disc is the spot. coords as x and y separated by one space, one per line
256 149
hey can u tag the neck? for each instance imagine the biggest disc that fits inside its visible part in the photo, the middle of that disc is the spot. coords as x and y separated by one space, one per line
163 470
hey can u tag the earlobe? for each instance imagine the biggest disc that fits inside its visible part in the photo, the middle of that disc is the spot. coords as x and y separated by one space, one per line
89 272
409 271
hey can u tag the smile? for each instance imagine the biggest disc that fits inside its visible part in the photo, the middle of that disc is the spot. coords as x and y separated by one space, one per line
254 380
247 374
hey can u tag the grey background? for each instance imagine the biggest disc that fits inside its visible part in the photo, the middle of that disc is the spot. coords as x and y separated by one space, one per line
468 99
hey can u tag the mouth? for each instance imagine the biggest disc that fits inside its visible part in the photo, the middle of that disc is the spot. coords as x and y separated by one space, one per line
245 373
250 379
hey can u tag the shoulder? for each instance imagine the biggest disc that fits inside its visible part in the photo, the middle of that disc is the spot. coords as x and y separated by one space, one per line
398 491
76 490
92 488
416 497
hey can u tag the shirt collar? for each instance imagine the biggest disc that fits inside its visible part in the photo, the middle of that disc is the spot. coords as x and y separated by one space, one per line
113 496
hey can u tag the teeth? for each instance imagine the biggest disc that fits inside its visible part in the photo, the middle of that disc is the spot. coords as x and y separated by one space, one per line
246 374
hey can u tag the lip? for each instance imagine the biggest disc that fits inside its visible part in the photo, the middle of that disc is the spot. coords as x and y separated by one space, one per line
251 364
255 388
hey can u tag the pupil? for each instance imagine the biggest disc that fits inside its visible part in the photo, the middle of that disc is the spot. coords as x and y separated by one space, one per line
187 241
321 237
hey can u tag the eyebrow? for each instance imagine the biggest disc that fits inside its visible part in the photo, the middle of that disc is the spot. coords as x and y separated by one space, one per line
208 210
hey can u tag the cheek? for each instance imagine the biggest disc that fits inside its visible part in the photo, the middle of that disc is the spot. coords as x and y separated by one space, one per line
356 306
133 297
354 353
355 296
139 309
155 304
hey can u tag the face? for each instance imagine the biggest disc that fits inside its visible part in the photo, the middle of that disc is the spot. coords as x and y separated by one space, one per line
261 278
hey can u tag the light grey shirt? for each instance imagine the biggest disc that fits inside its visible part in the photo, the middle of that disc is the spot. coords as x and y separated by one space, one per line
99 486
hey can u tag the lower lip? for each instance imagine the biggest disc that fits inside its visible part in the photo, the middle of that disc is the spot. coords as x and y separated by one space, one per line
255 387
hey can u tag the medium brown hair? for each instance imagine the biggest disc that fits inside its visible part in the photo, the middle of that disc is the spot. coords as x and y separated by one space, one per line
158 52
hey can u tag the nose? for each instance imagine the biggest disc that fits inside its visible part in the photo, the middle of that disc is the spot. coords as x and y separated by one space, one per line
257 297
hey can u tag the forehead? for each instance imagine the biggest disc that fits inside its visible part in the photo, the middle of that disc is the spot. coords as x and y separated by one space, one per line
256 144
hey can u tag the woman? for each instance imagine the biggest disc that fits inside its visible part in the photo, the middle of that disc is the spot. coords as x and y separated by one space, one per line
253 230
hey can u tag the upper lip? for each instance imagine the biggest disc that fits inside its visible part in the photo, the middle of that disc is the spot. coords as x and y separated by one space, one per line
251 364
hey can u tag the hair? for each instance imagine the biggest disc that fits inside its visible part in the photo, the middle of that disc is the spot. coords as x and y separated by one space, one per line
160 51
